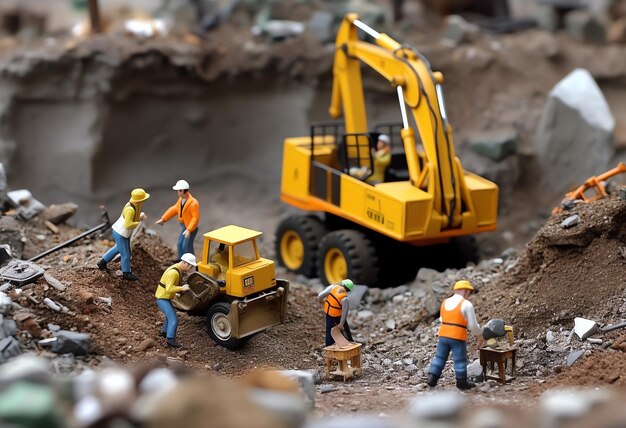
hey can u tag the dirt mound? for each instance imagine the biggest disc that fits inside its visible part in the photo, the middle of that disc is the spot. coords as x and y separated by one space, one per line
566 273
129 329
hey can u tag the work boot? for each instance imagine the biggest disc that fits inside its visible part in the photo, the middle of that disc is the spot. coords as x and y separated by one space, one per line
464 384
102 265
163 334
173 343
129 276
432 380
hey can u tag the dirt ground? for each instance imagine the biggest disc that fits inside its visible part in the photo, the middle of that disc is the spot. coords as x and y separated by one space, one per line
552 275
561 274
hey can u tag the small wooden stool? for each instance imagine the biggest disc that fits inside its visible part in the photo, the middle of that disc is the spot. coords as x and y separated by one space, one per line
342 355
501 357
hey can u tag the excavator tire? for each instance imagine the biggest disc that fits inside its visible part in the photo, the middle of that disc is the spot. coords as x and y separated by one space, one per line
347 254
297 241
220 328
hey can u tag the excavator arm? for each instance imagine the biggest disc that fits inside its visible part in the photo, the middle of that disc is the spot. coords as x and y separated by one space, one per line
419 89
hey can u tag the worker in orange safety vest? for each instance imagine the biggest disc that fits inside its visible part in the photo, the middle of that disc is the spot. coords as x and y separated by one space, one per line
336 307
457 316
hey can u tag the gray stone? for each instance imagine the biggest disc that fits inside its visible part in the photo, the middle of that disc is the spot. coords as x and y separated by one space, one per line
305 382
439 405
3 185
390 324
584 327
364 315
547 18
495 145
26 367
427 275
549 336
27 206
8 327
5 303
397 299
353 421
575 135
582 26
474 369
68 342
9 348
570 221
11 235
411 368
321 25
326 389
287 407
505 173
458 30
573 356
57 214
493 328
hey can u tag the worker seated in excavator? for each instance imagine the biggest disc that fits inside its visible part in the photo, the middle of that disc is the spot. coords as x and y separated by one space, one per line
381 158
220 260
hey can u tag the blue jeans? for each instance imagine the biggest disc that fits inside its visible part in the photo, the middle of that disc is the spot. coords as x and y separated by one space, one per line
185 245
171 320
122 247
459 355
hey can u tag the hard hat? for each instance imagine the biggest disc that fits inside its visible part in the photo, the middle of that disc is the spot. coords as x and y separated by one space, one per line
181 185
384 137
138 195
463 284
348 284
189 258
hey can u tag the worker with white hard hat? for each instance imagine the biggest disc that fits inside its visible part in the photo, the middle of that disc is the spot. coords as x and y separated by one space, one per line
381 159
187 209
169 285
457 316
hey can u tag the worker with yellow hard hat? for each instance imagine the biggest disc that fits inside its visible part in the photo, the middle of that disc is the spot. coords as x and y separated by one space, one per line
122 229
336 307
457 316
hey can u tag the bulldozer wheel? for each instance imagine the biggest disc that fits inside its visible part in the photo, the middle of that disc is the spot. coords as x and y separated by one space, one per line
347 254
220 328
297 239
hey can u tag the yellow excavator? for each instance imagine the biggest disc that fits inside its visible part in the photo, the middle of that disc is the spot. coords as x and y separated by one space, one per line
365 231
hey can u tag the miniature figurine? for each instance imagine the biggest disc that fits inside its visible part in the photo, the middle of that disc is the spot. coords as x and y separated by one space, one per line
168 286
188 210
457 316
220 259
382 159
122 229
336 306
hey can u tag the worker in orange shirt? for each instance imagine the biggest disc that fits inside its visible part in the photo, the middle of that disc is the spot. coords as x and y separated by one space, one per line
187 209
457 316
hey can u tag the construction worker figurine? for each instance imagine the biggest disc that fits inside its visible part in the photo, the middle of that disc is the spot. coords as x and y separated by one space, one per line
188 210
336 307
168 286
122 229
457 316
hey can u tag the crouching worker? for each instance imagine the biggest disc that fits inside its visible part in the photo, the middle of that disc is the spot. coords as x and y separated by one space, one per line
336 306
168 286
457 316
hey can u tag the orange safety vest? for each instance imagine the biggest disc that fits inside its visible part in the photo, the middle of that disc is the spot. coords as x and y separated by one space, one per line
453 323
332 305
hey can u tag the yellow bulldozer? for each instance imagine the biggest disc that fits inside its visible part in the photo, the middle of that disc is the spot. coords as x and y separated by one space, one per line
234 288
366 230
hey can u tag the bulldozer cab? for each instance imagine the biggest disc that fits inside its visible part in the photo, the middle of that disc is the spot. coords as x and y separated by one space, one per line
231 254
